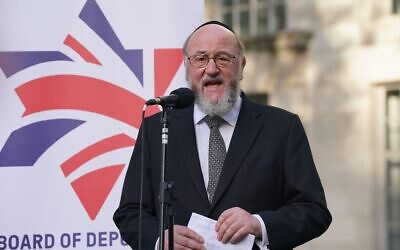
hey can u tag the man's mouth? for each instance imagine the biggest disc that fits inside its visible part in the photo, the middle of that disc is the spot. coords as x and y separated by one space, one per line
212 83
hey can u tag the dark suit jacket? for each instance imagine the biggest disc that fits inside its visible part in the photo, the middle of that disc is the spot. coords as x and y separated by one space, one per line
268 170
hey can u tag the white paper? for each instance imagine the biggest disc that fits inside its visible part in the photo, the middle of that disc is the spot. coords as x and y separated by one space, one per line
206 228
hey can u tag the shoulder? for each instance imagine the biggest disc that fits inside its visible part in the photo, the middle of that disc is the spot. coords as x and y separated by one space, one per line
278 121
267 112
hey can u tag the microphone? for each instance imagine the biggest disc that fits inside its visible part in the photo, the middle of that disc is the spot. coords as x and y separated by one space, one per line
178 99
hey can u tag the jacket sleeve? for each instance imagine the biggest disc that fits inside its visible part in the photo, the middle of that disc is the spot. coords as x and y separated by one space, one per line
126 217
304 215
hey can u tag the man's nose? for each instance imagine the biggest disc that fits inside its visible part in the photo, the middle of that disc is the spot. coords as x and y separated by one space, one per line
211 68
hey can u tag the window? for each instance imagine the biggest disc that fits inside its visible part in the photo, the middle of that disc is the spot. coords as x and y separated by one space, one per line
396 6
393 204
393 168
253 17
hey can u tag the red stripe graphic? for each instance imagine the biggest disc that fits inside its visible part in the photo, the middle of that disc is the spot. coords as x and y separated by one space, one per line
71 42
166 64
94 188
100 147
81 93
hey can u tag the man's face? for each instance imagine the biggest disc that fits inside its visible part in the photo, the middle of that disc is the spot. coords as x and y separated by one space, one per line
212 82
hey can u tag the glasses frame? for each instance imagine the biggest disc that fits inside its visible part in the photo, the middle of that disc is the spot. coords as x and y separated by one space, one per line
215 58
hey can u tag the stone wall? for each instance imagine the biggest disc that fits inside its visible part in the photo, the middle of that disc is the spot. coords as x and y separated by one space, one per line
330 66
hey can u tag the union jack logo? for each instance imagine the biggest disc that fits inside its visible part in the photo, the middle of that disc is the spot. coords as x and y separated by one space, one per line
52 91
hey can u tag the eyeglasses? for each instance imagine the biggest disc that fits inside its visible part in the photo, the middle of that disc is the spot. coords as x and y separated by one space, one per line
201 61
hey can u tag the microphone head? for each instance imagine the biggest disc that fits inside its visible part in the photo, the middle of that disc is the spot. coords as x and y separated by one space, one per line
186 97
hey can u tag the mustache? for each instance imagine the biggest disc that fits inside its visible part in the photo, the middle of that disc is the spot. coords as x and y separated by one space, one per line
207 79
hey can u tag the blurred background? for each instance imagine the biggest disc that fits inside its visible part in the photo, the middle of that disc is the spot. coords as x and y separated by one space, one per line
337 65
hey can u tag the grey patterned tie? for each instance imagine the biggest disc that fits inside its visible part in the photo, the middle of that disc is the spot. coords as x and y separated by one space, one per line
216 153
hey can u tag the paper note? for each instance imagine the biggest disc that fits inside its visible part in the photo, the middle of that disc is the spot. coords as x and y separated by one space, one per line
206 228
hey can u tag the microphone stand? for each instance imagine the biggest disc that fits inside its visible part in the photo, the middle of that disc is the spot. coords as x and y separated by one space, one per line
165 195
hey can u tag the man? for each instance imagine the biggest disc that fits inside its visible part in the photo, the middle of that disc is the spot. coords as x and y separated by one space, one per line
268 185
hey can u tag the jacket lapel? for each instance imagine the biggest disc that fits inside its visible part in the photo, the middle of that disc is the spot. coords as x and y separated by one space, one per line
246 131
188 149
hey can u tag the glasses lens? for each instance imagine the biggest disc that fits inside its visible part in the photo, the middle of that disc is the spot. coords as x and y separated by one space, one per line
199 60
223 60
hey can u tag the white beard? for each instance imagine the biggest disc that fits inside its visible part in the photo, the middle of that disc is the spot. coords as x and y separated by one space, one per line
221 107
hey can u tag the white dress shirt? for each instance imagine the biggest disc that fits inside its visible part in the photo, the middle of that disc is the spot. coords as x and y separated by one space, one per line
226 129
202 138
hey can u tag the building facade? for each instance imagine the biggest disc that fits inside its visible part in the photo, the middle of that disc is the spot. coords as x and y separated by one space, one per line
337 65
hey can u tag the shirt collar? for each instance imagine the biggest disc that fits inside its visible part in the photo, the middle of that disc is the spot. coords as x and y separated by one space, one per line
230 117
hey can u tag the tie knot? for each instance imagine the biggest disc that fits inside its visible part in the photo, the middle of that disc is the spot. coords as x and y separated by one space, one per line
213 121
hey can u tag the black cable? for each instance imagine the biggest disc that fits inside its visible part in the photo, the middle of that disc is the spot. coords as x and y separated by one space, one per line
141 177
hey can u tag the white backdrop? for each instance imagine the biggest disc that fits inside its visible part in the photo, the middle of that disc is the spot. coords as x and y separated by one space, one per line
73 78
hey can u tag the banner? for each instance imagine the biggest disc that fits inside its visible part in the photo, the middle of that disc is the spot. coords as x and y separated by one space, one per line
74 76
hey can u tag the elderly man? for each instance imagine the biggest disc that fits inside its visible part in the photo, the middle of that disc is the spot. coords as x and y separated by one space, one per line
246 165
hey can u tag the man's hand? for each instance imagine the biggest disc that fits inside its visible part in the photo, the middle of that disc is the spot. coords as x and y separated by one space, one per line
185 238
235 223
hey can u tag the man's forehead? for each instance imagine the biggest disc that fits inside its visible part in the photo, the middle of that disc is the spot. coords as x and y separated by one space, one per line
212 37
212 33
215 29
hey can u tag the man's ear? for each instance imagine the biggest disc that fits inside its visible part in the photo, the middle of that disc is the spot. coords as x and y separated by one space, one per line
242 66
243 62
186 75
